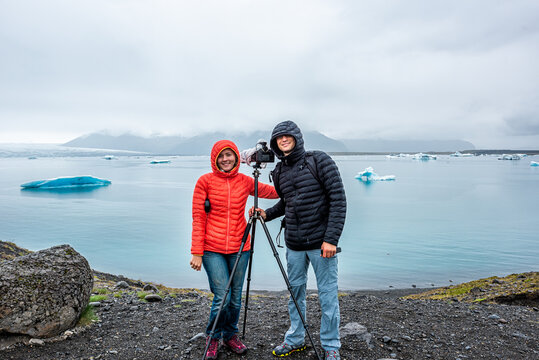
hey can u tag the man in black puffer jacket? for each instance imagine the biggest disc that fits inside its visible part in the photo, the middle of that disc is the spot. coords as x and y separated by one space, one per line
314 205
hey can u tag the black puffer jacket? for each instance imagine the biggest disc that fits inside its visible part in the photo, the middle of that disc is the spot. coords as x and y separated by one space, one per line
314 212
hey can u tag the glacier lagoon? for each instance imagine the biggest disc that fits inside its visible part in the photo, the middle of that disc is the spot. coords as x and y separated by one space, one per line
439 222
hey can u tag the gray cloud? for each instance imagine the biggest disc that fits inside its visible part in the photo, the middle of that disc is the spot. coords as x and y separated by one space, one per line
393 70
523 125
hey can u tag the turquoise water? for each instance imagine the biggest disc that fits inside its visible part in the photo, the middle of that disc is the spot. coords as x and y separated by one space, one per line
451 219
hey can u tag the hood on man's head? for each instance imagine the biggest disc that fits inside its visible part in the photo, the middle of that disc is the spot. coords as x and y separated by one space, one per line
218 147
286 128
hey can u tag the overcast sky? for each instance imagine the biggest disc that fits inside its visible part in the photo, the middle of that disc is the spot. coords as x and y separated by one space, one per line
351 69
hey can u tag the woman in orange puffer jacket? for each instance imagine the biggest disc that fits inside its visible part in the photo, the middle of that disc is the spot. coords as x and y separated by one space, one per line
216 238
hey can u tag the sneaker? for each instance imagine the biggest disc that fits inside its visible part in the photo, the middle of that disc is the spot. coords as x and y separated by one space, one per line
235 344
212 349
332 355
286 349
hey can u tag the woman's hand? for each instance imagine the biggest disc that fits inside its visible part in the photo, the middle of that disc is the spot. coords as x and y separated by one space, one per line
196 262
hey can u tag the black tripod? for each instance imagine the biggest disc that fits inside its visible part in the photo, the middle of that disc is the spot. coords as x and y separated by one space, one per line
252 224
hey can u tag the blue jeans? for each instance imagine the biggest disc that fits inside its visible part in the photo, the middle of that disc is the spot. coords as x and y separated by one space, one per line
218 267
325 270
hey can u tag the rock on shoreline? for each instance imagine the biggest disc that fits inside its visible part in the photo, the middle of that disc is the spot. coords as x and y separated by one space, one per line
44 293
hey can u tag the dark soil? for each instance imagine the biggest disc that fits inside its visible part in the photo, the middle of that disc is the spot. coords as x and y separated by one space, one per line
129 328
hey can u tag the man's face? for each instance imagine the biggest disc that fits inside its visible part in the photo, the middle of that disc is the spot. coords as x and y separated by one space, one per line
286 143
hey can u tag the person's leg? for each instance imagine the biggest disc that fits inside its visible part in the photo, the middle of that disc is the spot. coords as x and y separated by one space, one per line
216 267
326 273
297 265
234 307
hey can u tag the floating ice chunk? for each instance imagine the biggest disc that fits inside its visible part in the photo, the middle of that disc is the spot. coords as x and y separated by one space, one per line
66 182
396 156
159 161
369 175
509 157
109 157
459 154
421 156
534 163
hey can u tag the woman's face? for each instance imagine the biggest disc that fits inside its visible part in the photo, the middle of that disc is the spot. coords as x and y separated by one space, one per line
226 160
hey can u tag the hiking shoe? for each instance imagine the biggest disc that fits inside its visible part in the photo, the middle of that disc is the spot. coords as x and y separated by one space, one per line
332 355
286 349
235 344
212 349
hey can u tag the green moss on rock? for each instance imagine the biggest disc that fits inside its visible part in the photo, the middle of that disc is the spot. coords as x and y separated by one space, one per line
518 289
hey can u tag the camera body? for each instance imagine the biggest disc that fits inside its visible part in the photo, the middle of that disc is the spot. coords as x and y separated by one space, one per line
263 154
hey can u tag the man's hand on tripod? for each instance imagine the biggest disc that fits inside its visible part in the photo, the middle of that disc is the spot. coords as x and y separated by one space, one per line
196 262
262 212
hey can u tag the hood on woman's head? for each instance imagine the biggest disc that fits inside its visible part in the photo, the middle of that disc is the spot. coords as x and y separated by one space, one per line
219 147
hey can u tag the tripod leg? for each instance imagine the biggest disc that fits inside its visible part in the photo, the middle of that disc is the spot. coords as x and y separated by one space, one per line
285 277
249 277
231 277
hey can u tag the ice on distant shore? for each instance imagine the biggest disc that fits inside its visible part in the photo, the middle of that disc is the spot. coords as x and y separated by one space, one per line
534 163
421 156
459 154
159 161
396 156
509 157
369 175
52 150
66 182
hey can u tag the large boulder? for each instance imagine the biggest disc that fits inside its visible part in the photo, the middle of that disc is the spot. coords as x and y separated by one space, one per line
44 293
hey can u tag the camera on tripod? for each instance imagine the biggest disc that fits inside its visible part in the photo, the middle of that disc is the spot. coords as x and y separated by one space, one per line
263 154
260 154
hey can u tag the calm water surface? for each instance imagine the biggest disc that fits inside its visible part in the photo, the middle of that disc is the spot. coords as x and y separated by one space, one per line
450 219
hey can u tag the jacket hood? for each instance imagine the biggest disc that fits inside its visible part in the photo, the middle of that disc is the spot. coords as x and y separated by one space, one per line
288 128
218 147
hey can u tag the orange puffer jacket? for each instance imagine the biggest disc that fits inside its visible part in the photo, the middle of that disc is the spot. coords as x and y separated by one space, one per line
221 230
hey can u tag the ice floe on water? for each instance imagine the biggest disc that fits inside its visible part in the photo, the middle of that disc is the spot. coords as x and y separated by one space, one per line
534 163
421 156
66 182
397 156
459 154
369 175
510 157
159 161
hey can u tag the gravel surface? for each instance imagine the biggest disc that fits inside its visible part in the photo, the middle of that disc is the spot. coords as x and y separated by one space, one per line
375 325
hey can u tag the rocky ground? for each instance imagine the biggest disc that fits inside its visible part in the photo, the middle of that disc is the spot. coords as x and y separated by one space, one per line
376 325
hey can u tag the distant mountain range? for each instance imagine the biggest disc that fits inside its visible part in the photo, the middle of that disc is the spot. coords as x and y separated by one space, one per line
202 144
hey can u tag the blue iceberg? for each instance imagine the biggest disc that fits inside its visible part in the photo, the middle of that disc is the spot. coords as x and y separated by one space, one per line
369 175
534 163
66 182
424 157
159 161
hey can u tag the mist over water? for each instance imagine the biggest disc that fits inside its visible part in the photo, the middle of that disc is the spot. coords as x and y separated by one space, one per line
449 219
